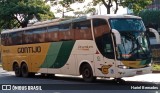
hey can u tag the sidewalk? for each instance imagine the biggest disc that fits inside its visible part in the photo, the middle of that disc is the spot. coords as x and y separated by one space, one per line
153 77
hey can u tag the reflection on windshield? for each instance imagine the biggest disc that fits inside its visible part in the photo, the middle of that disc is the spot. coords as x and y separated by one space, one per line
134 46
127 24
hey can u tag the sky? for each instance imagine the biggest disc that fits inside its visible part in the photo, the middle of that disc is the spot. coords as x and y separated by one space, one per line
103 10
100 9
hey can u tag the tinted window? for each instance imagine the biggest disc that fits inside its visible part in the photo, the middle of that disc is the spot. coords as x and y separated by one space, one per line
28 36
83 30
127 24
53 28
100 27
39 30
16 38
103 37
65 27
65 32
4 39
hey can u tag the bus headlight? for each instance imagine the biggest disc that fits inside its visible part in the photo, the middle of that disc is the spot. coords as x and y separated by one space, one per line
149 65
122 67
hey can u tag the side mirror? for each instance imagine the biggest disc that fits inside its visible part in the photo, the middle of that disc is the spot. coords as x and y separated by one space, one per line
117 36
156 34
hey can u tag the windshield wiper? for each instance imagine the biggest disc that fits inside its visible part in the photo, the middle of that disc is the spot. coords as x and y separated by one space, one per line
138 43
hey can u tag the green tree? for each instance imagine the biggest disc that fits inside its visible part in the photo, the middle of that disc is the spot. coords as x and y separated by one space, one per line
150 17
62 6
65 4
108 4
136 5
87 9
66 7
16 13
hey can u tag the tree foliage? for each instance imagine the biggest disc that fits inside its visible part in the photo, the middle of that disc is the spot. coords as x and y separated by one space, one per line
136 5
16 13
87 9
65 6
108 4
151 17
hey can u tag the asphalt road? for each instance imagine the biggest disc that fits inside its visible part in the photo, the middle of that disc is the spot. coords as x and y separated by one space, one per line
67 84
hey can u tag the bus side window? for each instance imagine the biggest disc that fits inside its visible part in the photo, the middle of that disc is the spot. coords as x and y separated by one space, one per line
24 38
28 36
16 38
52 33
65 32
103 37
8 39
39 35
4 39
19 37
83 30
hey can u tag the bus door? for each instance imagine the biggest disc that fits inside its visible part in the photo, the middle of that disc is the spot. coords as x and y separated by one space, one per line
104 56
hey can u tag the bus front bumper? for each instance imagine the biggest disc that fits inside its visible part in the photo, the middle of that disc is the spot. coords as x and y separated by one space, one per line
132 72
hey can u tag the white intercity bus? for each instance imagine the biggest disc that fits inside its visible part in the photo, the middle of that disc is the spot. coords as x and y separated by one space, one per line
113 46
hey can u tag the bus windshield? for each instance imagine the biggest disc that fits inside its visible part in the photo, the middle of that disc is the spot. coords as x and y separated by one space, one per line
127 24
134 43
134 46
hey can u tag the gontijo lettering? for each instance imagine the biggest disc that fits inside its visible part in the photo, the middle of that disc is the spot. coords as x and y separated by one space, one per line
36 49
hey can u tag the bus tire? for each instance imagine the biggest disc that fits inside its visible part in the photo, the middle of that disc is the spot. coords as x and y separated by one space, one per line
24 69
87 73
17 70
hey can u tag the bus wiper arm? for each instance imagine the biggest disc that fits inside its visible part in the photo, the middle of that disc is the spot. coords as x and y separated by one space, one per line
142 48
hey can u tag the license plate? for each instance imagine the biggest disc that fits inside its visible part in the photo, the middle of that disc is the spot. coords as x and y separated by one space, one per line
139 72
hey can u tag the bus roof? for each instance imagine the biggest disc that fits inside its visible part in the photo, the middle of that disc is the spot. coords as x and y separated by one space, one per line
63 21
108 16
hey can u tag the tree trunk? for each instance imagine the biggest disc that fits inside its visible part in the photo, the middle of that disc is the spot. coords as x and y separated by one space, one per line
116 7
24 24
63 14
107 5
108 10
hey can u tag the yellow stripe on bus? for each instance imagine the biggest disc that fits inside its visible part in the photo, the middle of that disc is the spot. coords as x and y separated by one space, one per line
33 54
133 64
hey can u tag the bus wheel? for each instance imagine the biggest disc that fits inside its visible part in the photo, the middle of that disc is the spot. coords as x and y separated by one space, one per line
24 70
17 70
87 73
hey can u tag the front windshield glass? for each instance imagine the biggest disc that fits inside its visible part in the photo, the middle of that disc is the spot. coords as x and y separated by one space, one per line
134 43
134 46
127 24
